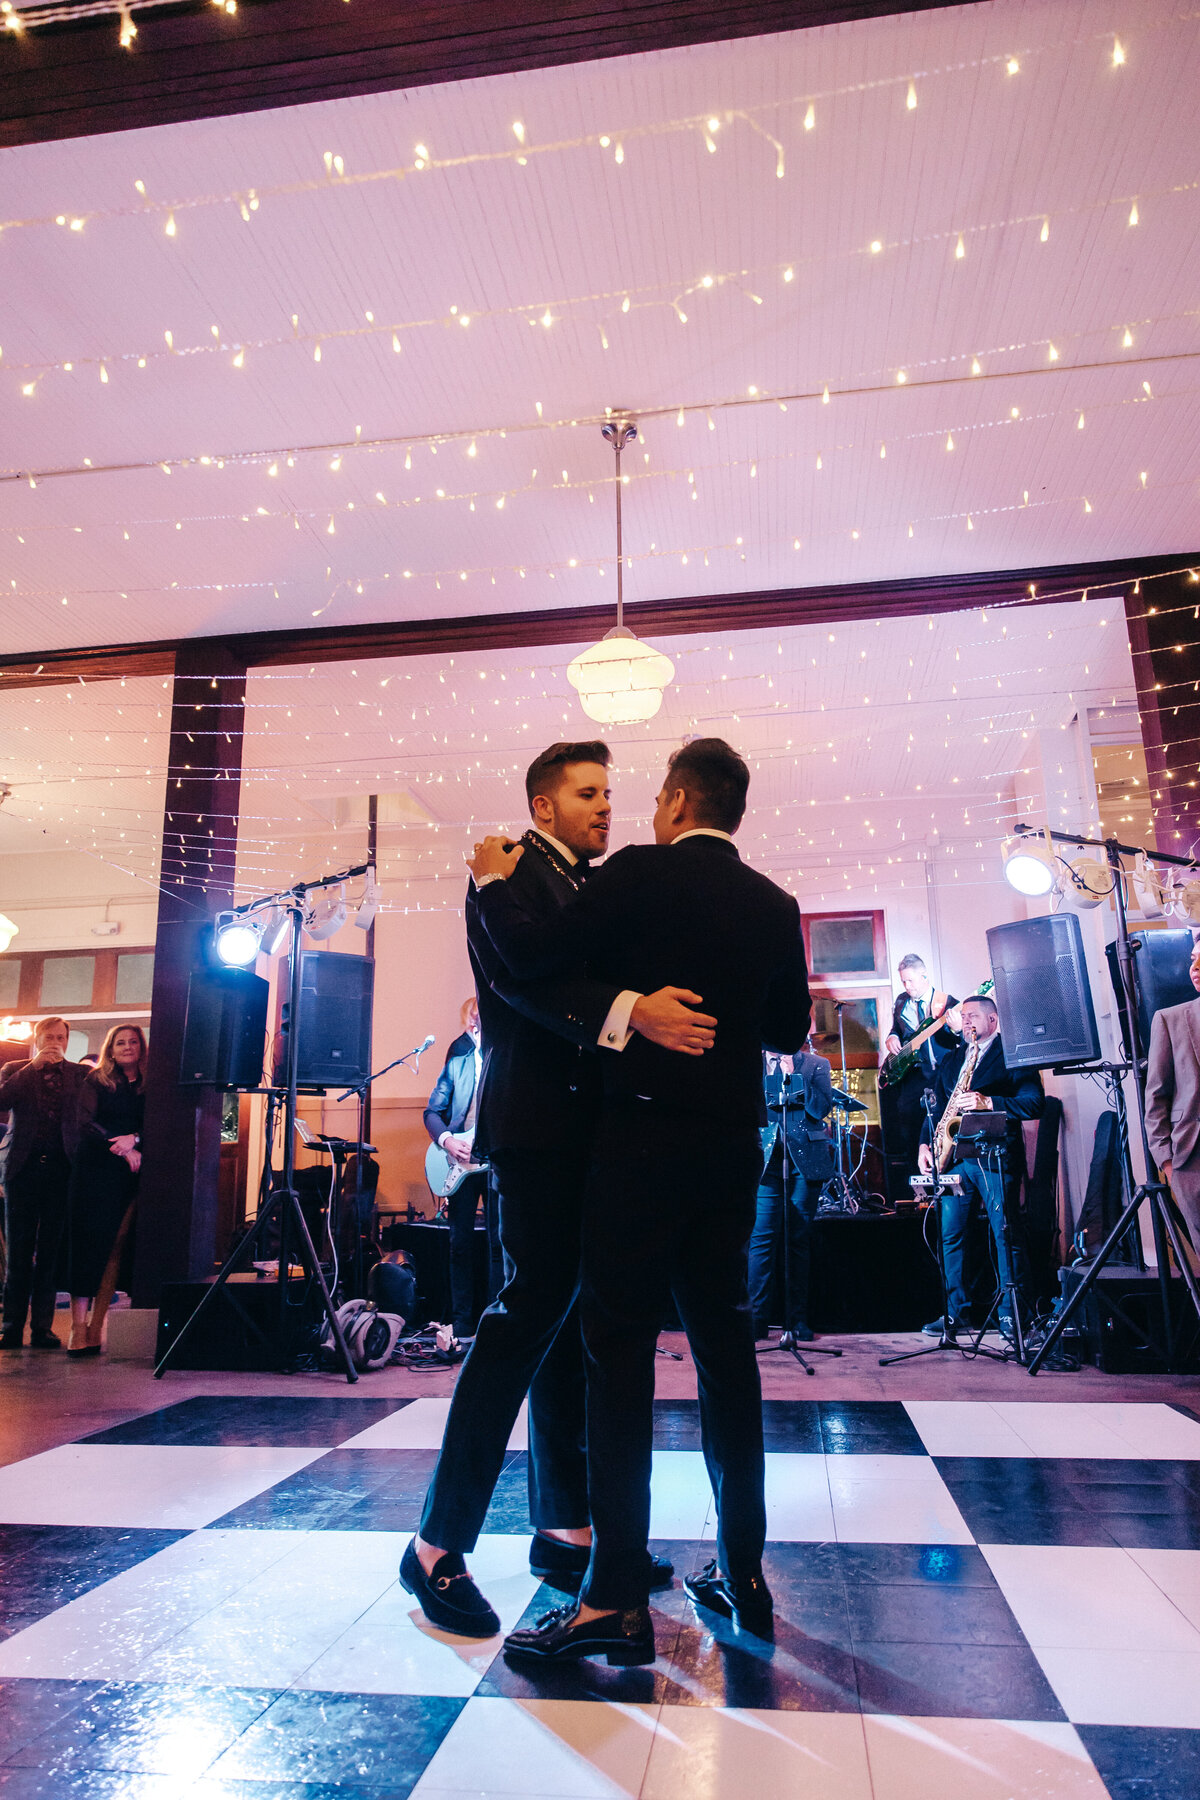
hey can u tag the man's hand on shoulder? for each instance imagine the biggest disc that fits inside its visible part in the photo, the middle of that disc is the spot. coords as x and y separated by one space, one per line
669 1018
495 856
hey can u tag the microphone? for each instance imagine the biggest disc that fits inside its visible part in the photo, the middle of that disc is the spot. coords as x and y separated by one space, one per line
419 1052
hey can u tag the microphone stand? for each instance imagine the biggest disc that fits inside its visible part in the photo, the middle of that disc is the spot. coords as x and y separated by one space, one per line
787 1337
361 1149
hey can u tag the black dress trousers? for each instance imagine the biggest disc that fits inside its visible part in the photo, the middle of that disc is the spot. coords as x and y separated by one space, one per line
669 1210
35 1218
527 1340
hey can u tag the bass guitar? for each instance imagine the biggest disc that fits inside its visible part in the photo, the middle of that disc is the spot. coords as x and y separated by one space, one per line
895 1067
443 1174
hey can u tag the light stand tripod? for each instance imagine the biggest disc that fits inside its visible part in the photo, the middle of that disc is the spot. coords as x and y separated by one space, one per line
842 1194
787 1337
282 1202
363 1149
1162 1219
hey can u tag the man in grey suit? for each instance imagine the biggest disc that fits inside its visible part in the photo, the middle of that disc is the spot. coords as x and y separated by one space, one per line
43 1099
1173 1101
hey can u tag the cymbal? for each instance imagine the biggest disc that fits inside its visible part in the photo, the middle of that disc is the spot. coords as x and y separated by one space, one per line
843 1099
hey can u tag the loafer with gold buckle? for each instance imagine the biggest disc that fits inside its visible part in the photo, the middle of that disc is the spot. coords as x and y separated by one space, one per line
448 1597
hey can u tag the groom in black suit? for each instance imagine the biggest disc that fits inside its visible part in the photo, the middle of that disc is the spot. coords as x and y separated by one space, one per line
675 1166
539 1098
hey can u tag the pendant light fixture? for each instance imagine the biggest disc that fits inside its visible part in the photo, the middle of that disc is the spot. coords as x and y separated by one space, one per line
620 680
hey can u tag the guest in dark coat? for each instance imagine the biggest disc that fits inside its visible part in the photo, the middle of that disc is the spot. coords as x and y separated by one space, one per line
104 1175
42 1096
799 1090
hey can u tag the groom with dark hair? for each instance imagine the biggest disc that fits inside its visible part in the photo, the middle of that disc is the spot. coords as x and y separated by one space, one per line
675 1164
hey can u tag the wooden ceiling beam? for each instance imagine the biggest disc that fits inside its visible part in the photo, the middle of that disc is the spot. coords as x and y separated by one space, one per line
768 609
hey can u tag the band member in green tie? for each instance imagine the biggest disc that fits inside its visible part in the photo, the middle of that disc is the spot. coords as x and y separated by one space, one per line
902 1104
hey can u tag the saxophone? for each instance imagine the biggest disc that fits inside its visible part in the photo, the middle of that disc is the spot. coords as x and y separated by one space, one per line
947 1125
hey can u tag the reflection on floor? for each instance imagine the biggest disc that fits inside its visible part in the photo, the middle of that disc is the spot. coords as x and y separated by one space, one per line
994 1600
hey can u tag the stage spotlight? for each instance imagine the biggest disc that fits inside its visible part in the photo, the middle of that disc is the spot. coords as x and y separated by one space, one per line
1091 881
1187 902
276 926
1151 895
327 914
364 918
1030 865
237 940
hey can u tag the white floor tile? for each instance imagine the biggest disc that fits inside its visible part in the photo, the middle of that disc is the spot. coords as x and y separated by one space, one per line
751 1755
681 1499
978 1759
1056 1428
119 1628
1177 1573
391 1649
964 1428
568 1749
422 1426
894 1507
1067 1596
1154 1429
148 1486
798 1508
1126 1687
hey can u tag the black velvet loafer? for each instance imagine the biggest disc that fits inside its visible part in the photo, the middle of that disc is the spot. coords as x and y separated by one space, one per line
746 1599
563 1566
625 1638
448 1598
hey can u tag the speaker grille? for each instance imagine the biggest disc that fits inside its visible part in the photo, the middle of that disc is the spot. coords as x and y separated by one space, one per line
1042 992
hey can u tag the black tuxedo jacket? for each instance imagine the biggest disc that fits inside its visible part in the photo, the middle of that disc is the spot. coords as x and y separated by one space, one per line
809 1103
1018 1092
688 915
450 1101
935 1048
19 1082
535 1089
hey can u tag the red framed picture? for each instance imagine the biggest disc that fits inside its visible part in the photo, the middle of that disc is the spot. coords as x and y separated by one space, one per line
845 946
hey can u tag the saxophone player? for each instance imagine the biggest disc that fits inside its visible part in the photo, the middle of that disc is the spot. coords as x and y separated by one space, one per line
990 1086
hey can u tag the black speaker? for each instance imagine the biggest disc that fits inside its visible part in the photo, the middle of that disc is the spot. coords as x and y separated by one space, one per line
1042 992
1160 965
336 996
224 1030
241 1328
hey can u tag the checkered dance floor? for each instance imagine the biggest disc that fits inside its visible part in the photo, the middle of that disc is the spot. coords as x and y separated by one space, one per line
991 1601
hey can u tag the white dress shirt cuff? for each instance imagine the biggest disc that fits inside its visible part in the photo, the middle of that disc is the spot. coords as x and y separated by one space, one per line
442 1139
616 1030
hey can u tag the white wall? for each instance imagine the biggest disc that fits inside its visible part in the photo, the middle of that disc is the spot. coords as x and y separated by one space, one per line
55 897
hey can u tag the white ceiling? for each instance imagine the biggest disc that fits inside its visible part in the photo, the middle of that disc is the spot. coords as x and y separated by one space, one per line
868 742
1069 139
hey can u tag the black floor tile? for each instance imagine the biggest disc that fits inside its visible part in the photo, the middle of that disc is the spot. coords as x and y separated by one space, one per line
211 1788
977 1681
1020 1500
1144 1763
906 1613
46 1566
788 1425
147 1728
941 1565
280 1420
372 1741
868 1428
345 1490
92 1784
805 1668
676 1425
29 1708
590 1678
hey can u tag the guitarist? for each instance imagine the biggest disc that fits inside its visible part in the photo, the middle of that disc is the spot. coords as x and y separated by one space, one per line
450 1122
901 1104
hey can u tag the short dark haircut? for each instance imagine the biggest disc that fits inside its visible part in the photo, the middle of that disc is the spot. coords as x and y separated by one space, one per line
714 779
911 961
548 771
983 1000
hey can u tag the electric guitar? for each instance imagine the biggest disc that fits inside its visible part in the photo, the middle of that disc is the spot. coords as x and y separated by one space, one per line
443 1174
895 1067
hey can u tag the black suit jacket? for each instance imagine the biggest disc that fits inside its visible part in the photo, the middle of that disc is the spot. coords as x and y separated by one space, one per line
935 1048
688 915
1017 1092
809 1102
536 1089
450 1101
18 1090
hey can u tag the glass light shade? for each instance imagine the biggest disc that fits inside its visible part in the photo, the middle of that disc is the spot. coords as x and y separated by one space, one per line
620 680
237 943
1029 866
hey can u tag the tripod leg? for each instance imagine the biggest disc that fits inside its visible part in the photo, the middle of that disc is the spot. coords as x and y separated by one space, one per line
1077 1298
316 1270
227 1268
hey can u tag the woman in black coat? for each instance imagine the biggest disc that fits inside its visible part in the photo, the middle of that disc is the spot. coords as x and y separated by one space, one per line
104 1175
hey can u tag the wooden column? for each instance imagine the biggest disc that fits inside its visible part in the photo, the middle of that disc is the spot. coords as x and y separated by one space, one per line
1164 636
178 1207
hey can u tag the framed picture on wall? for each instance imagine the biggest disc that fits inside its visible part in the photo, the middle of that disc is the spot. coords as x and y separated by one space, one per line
866 1020
845 946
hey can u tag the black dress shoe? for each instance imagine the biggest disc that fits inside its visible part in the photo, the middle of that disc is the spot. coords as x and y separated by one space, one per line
13 1338
746 1599
626 1638
563 1566
45 1340
803 1334
950 1328
448 1597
